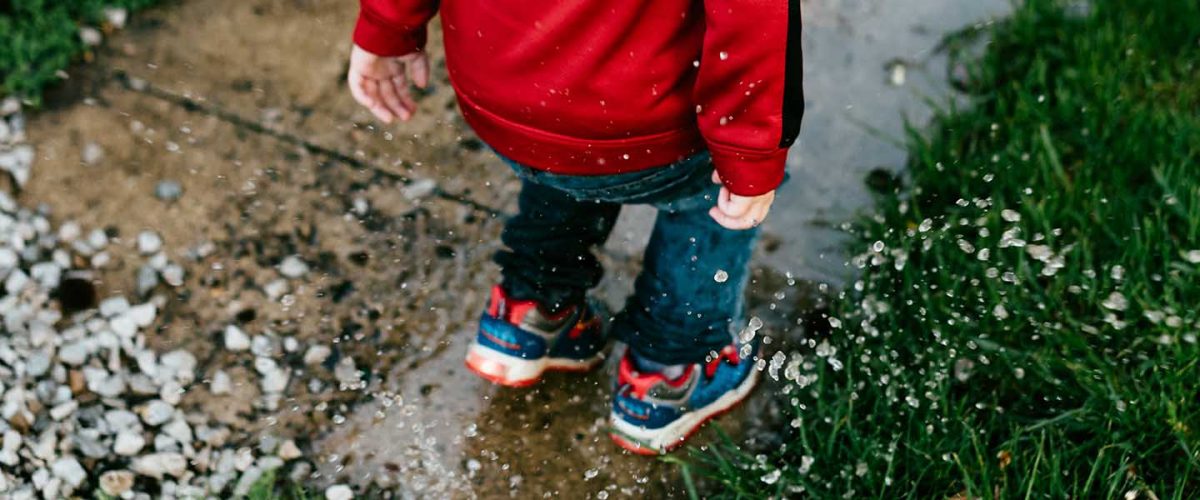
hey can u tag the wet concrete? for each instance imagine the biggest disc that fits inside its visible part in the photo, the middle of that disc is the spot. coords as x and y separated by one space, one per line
243 103
855 115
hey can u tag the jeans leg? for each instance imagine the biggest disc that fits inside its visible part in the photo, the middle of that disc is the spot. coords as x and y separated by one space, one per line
549 256
691 289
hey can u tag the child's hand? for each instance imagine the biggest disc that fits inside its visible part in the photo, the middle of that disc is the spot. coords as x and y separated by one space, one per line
740 212
381 83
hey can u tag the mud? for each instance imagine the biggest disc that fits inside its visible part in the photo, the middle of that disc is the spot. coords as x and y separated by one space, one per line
242 103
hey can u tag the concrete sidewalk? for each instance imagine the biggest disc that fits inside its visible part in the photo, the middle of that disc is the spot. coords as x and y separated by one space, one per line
243 104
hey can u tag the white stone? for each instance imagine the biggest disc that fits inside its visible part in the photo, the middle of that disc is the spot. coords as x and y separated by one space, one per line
90 36
220 383
262 345
156 412
179 430
18 162
16 282
69 470
317 354
128 443
418 188
158 261
339 492
113 306
181 363
171 392
101 260
121 419
147 280
246 481
173 275
75 353
293 267
289 451
8 259
12 444
64 410
274 289
69 230
236 339
123 326
92 153
149 242
97 239
275 381
38 363
116 483
116 16
157 465
143 314
47 274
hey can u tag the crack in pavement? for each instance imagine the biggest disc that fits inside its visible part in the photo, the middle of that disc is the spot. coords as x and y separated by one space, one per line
144 87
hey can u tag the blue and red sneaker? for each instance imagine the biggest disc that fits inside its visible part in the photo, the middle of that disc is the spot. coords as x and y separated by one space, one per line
518 341
653 415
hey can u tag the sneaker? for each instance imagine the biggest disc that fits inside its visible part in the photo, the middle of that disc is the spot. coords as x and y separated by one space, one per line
518 341
652 415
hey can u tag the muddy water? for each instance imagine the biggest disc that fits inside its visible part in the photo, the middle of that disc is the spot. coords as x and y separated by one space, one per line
274 158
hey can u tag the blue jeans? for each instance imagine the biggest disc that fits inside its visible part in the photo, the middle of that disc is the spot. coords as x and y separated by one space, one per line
688 299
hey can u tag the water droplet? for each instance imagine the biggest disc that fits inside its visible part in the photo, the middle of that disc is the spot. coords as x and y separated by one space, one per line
772 477
1116 301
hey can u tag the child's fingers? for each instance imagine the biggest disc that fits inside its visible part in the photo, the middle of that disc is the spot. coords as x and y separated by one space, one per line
371 91
716 178
357 83
419 71
405 96
733 205
391 99
734 223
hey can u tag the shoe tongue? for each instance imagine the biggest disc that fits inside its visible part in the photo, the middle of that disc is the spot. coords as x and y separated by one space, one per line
651 383
515 311
518 310
671 372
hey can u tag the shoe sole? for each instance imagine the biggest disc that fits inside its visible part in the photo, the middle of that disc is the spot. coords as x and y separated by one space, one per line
660 441
511 371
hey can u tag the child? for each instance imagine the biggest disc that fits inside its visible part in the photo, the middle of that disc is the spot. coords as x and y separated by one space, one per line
687 105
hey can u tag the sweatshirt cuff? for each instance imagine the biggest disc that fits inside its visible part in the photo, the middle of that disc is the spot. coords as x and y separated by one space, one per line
383 39
750 173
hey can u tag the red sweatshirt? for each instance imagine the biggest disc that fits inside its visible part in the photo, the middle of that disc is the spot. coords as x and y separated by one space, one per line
593 87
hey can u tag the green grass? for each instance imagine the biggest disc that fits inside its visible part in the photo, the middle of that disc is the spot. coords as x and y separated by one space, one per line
271 487
1026 321
38 38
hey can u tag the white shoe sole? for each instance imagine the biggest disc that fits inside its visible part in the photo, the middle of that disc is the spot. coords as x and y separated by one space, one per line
657 441
507 370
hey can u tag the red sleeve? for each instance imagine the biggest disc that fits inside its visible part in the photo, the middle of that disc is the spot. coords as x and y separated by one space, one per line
393 27
748 90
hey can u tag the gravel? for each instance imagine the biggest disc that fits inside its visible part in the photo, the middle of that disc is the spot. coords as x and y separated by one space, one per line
339 492
149 242
418 189
168 190
236 339
293 267
85 405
